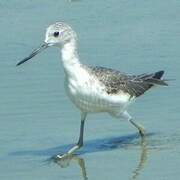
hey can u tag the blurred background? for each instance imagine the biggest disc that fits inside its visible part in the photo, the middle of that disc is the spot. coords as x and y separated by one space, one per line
37 120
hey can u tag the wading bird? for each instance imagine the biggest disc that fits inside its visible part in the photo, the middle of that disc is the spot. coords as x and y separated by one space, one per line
95 89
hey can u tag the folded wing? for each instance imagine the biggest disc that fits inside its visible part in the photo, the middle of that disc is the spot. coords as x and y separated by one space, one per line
135 85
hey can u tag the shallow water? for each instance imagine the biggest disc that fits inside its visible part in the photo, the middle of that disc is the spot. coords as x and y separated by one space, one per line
37 119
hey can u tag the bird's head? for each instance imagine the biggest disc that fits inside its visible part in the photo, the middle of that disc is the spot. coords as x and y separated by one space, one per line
57 35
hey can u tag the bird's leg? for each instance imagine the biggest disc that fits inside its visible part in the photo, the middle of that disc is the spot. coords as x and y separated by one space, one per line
140 128
125 115
80 141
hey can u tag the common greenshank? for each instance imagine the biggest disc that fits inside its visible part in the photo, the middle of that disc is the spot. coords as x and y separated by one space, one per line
95 89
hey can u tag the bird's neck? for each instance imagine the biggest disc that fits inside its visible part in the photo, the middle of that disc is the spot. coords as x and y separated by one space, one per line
70 57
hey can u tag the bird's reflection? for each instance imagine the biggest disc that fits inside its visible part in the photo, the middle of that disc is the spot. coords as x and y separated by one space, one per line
66 161
142 160
97 145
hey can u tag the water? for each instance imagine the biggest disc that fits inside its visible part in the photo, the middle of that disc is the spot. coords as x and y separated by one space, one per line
37 119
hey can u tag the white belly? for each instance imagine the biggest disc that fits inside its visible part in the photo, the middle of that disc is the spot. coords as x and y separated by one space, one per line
90 96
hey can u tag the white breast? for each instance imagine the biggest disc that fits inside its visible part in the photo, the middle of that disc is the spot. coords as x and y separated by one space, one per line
89 95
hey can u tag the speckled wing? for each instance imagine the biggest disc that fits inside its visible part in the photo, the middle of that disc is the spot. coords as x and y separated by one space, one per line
116 82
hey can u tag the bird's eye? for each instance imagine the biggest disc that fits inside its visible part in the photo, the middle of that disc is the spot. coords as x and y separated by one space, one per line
56 34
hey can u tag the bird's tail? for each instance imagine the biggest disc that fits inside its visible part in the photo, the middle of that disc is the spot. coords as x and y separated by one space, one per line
155 79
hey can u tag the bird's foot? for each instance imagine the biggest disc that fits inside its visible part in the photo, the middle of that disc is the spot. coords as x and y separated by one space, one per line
63 156
141 131
63 160
139 127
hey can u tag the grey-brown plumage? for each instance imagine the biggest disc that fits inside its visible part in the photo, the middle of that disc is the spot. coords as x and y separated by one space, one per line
135 85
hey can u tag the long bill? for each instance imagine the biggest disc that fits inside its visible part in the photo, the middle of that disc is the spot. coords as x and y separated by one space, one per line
34 53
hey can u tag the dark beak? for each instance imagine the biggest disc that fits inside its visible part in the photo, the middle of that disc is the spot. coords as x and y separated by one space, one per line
35 52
